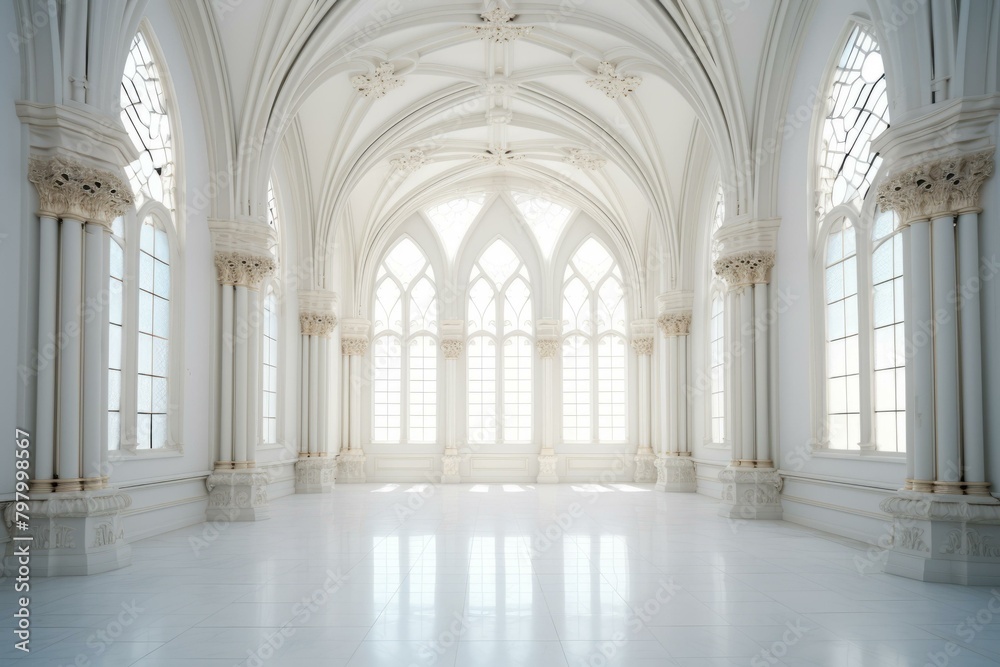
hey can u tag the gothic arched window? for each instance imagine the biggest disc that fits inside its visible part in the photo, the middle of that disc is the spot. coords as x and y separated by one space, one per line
500 347
404 348
595 354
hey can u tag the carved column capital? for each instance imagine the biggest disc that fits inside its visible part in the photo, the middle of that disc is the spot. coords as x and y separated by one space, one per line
749 267
938 187
70 189
317 324
240 268
452 348
548 347
674 324
354 346
643 345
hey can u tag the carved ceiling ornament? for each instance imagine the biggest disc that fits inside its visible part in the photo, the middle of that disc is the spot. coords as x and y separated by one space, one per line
498 157
354 346
548 348
946 185
613 84
675 324
452 348
317 324
584 160
498 26
409 162
749 267
70 189
379 82
241 268
643 345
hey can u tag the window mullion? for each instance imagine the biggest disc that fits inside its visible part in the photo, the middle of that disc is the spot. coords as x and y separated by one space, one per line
404 368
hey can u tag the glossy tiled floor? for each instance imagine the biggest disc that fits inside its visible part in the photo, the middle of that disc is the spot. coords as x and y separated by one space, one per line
503 575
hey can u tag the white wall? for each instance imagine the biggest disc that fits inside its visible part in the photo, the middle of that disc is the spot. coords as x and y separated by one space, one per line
833 491
18 241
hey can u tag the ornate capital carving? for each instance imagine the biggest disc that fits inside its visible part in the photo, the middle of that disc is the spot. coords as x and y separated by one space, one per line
69 189
240 268
749 267
452 348
547 347
354 346
675 324
317 324
938 187
643 345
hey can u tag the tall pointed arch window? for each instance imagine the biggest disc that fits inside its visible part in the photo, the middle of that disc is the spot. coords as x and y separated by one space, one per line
595 356
269 340
500 348
859 262
404 348
141 298
888 344
717 334
858 111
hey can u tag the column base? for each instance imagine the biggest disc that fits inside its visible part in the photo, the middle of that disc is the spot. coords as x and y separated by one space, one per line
676 474
73 533
351 466
315 474
237 495
951 539
750 493
547 467
450 463
645 465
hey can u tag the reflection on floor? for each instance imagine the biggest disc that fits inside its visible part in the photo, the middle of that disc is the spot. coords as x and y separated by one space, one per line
503 574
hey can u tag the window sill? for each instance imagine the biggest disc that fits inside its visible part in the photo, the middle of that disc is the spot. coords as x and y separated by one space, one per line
143 454
717 445
860 455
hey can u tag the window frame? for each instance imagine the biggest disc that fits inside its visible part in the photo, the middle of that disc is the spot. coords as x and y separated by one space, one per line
171 221
500 340
594 339
405 338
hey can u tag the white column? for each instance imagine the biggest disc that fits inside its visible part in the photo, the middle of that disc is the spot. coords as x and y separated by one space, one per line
922 420
548 344
747 382
70 358
75 520
946 412
673 385
314 406
751 484
48 307
354 343
683 446
971 369
345 403
240 394
315 470
675 469
226 450
908 335
322 407
452 346
254 424
95 369
643 338
304 394
761 373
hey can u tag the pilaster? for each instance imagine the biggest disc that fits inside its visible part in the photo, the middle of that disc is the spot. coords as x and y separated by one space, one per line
354 342
452 347
751 484
316 469
548 344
